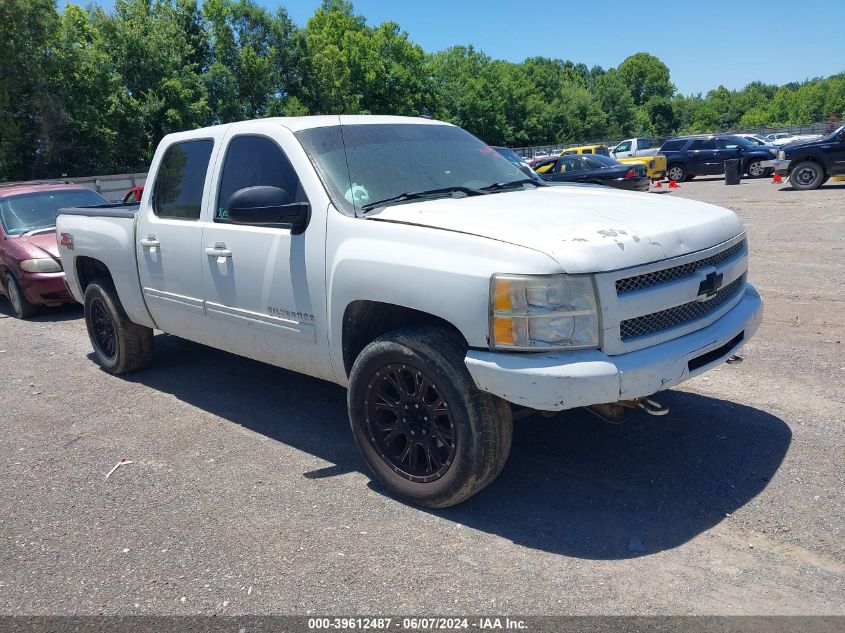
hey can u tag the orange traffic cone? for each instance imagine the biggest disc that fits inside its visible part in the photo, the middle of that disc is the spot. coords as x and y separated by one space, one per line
673 184
776 179
658 185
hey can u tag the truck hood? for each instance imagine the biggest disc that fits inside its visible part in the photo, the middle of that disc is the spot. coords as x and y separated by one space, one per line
585 228
39 245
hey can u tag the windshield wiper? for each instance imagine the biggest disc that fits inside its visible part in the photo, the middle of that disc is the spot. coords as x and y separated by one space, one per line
428 193
500 186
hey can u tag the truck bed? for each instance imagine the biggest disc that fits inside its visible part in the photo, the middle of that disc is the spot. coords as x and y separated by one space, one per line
103 237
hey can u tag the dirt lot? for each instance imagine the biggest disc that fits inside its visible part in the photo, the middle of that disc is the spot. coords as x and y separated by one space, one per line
247 494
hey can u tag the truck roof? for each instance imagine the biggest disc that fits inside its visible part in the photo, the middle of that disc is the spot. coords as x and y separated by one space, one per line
298 123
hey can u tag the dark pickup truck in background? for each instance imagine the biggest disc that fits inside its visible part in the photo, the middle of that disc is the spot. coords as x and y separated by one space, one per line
809 164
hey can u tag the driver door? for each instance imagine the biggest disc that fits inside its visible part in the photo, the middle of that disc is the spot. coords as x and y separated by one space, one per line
264 286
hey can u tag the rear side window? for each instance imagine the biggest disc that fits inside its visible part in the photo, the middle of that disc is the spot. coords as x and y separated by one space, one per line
181 180
643 143
602 151
703 143
672 146
253 161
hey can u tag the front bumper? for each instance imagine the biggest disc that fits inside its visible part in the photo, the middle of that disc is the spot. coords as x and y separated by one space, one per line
45 288
555 381
781 167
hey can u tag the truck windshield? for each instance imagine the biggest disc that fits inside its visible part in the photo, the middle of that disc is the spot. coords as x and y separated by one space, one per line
364 164
34 211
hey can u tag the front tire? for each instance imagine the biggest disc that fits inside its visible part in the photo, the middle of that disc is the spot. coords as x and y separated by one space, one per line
21 306
677 172
424 428
807 175
120 345
755 169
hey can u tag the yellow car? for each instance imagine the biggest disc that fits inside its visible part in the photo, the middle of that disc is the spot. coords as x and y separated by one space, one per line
655 165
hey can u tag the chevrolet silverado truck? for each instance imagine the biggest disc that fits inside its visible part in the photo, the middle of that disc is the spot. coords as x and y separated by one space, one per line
635 148
447 296
810 164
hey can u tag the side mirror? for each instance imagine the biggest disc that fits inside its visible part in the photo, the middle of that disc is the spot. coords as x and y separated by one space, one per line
265 205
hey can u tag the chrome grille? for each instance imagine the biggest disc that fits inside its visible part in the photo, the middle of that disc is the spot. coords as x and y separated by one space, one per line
679 315
677 272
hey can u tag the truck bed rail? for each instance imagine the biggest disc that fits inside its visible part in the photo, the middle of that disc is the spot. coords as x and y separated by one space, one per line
116 210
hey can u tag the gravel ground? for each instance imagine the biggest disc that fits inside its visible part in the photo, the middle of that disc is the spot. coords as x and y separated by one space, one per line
247 495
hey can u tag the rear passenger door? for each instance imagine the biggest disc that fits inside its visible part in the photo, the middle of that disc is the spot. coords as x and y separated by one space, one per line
169 236
701 157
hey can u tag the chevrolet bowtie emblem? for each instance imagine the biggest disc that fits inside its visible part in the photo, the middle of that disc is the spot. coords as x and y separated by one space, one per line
710 285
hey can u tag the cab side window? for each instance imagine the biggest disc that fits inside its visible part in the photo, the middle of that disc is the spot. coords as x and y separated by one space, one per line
181 179
253 161
624 147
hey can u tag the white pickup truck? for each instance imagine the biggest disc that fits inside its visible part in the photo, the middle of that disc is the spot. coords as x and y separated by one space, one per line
635 148
406 260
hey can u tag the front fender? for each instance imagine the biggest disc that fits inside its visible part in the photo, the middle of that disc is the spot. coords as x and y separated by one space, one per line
442 273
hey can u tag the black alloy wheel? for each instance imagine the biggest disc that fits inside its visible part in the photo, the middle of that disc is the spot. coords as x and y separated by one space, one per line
103 329
410 423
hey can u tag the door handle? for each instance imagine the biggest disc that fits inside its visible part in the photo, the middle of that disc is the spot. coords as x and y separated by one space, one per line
219 250
150 241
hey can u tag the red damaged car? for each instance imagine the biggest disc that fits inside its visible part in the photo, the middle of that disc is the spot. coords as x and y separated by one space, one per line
30 271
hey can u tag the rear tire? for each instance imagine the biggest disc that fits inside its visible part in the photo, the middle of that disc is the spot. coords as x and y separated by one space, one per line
677 172
425 430
807 175
120 346
21 306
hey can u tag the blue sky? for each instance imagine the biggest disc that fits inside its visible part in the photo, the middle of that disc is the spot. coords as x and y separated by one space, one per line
704 42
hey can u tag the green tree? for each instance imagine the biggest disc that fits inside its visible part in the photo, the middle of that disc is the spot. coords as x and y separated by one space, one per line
617 103
26 29
646 77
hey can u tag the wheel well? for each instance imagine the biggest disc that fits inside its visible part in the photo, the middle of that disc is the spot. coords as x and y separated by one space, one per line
364 321
2 278
88 269
804 159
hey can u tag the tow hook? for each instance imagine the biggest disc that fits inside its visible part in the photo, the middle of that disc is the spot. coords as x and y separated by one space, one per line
734 360
618 412
652 407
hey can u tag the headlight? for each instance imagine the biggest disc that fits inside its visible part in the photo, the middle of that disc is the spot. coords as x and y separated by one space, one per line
535 312
44 265
782 155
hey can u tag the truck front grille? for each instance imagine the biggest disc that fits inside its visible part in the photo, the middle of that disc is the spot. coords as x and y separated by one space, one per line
682 314
666 275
